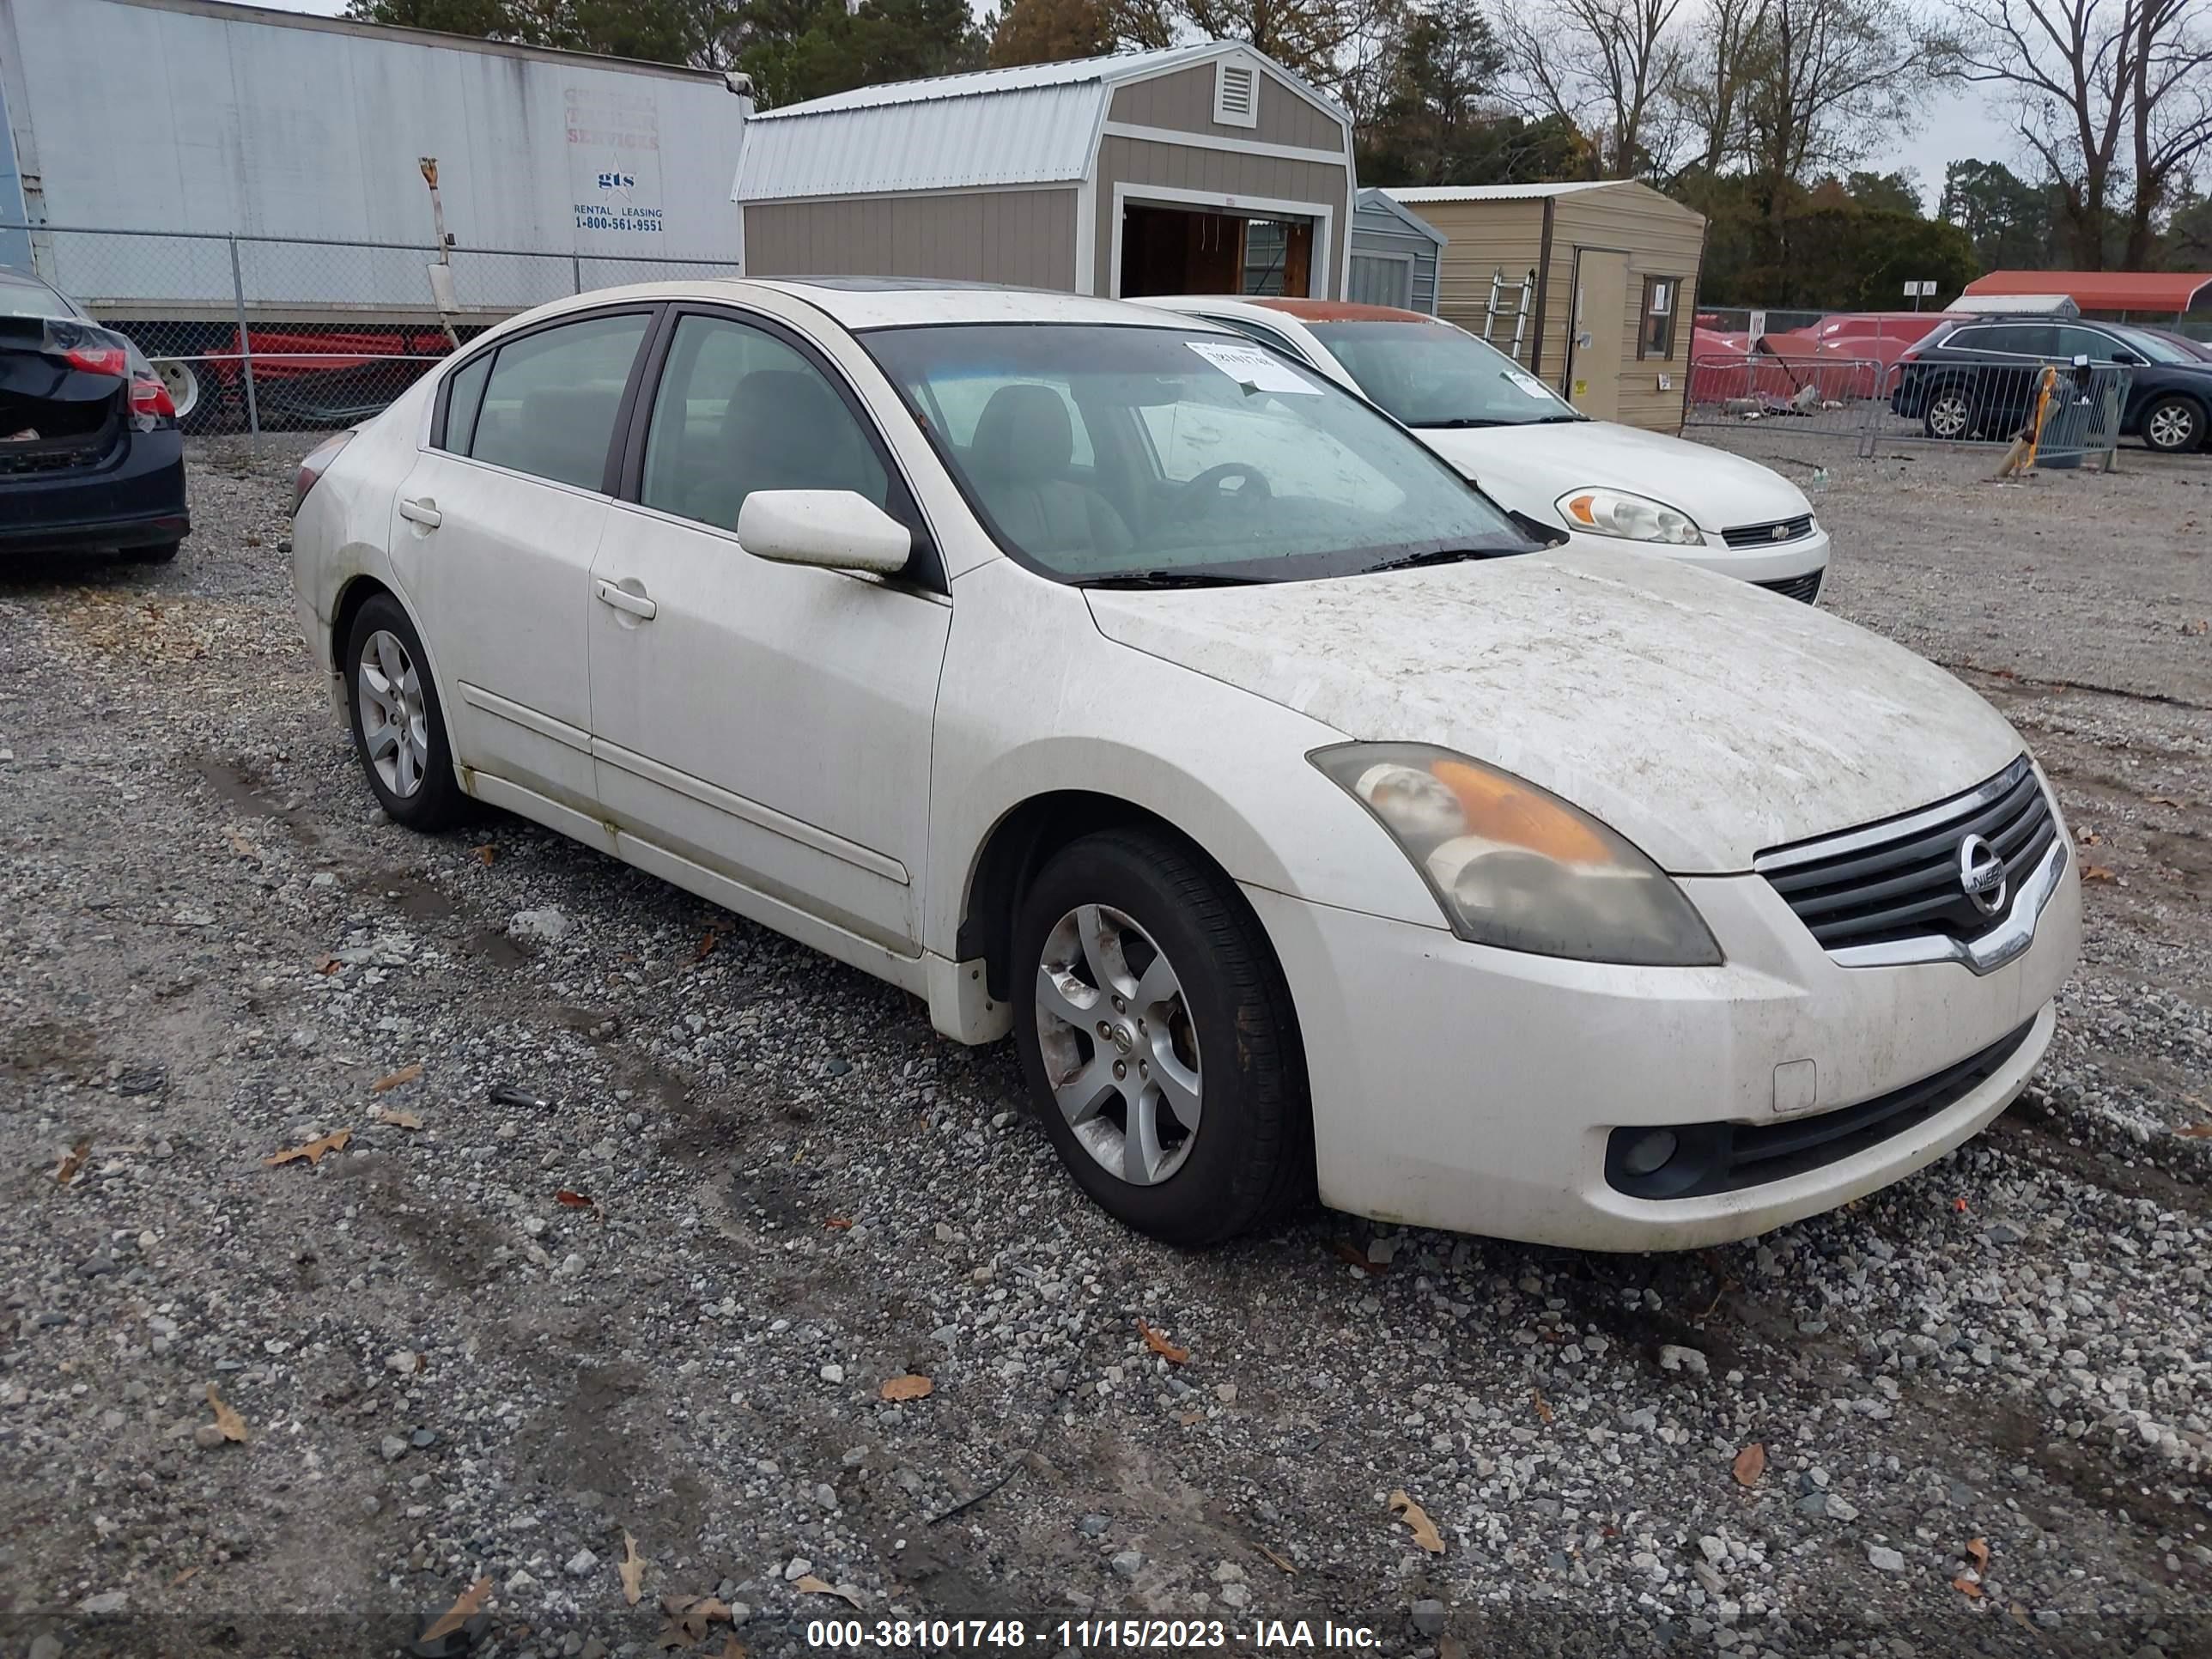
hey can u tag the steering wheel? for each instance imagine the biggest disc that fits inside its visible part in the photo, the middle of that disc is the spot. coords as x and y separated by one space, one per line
1201 494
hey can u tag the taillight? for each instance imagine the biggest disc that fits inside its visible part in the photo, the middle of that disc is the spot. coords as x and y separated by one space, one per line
150 399
99 359
316 463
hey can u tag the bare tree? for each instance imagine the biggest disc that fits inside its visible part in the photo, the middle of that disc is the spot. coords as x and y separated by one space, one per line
1605 65
2170 89
1823 81
1332 43
1711 74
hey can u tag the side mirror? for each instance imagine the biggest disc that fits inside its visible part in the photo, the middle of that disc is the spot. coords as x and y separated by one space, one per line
2127 360
829 528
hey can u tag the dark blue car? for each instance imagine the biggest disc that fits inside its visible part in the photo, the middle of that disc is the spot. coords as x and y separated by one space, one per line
90 455
1976 377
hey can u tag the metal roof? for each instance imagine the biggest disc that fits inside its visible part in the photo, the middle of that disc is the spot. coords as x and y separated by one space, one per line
1496 192
1035 125
2172 292
1382 202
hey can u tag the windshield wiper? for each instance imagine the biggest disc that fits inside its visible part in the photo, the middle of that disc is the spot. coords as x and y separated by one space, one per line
1170 578
1459 423
1443 556
1555 420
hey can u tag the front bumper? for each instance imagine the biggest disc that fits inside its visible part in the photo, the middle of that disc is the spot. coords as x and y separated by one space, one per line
1455 1085
135 499
1785 561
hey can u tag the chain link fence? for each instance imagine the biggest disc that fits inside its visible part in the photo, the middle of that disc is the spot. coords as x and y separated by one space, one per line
259 333
2073 410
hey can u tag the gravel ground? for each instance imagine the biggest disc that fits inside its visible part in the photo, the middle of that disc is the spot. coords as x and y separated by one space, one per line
642 1207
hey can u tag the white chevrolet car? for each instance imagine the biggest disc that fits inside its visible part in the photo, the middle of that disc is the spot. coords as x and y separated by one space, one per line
1103 677
1533 451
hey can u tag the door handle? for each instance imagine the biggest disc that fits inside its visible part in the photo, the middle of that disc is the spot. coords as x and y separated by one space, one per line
421 510
626 599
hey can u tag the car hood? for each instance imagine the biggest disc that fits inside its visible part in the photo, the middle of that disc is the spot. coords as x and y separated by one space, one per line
1703 719
1528 468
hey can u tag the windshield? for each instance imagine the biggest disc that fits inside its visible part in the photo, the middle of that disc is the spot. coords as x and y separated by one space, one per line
1433 374
2154 349
1101 452
23 299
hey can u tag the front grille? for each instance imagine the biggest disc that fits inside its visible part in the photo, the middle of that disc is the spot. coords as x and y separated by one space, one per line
1762 534
1727 1157
1900 878
1805 588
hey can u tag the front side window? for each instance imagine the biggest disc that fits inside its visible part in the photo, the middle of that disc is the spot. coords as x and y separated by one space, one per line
549 403
1432 374
1656 337
739 409
1208 458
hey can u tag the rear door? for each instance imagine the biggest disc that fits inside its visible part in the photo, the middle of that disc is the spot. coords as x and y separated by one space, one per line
493 536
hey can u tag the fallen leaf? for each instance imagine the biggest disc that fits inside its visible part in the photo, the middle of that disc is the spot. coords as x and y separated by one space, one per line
487 853
732 1648
2196 627
1424 1530
1358 1257
243 847
1543 1410
184 1577
2096 872
1968 1585
632 1569
1160 1346
470 1603
2088 838
908 1386
1977 1552
2163 800
1276 1559
1750 1463
708 940
812 1586
74 1161
232 1424
574 1201
329 965
1190 1419
397 1120
2019 1615
838 1224
2195 1131
689 1616
405 1074
312 1152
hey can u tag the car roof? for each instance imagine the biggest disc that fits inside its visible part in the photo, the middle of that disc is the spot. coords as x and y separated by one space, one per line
862 302
1341 311
15 277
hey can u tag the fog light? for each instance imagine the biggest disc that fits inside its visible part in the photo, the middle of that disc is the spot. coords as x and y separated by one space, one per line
1649 1152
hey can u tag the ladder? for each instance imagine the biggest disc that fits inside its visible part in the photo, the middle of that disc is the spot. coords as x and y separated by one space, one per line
1494 309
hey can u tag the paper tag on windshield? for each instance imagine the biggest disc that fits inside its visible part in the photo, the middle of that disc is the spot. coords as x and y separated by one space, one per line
1529 384
1255 367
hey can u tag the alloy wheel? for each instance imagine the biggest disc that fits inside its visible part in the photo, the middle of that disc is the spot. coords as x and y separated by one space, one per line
395 720
1118 1045
1948 415
2171 426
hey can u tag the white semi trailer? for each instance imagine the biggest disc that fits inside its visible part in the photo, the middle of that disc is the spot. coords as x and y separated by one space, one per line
217 179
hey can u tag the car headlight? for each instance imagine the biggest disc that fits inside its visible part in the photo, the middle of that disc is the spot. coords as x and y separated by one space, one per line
1515 867
1631 518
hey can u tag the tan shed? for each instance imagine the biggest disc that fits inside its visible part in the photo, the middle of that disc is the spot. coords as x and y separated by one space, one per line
1597 281
1205 169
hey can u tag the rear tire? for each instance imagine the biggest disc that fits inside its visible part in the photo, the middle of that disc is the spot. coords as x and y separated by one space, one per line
157 553
399 724
1950 413
1134 931
2174 425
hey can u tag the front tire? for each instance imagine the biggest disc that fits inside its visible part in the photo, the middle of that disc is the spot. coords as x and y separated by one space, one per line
398 724
2173 425
1158 1038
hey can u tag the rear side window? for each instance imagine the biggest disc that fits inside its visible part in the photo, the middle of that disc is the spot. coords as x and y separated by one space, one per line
463 398
548 406
2023 339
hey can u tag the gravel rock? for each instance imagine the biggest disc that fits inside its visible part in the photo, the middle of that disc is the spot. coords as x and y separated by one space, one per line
547 925
1127 1562
1673 1358
581 1563
1883 1560
1429 1617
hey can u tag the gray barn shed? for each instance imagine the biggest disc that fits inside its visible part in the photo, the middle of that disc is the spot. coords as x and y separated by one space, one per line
1394 252
1205 169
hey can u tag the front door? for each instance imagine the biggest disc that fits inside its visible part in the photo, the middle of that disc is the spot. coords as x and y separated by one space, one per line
1596 332
768 722
494 531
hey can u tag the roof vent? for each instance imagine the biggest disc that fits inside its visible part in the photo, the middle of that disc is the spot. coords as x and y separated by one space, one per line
1236 94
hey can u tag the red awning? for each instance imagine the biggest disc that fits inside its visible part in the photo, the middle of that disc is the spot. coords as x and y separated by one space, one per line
2169 292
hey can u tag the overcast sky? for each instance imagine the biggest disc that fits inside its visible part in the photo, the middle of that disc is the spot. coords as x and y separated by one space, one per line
1959 124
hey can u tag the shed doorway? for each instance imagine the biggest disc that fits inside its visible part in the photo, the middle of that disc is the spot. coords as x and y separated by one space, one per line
1598 331
1179 250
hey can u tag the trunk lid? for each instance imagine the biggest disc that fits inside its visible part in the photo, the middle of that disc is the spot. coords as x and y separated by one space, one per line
61 408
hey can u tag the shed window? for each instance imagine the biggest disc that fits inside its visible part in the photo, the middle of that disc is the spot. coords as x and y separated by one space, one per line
1236 94
1655 337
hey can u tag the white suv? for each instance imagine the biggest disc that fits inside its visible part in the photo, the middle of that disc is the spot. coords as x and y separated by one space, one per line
1531 451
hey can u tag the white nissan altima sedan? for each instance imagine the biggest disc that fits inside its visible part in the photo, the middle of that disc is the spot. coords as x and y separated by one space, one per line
1101 678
